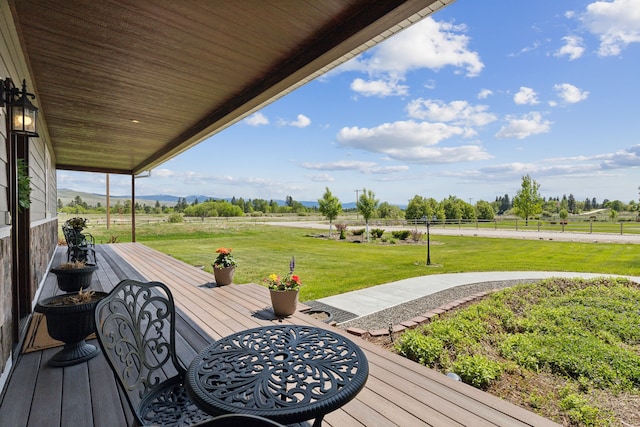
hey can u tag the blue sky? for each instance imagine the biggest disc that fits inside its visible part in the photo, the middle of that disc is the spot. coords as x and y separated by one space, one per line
463 103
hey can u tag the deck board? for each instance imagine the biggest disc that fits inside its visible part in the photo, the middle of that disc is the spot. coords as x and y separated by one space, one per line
398 391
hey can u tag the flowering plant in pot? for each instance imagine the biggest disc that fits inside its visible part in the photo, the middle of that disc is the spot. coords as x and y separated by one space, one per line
77 222
284 291
224 266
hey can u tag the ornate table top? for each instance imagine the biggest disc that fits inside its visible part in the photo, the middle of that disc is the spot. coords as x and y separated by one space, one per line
282 372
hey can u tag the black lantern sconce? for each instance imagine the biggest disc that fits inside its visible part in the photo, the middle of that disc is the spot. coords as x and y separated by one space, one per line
23 113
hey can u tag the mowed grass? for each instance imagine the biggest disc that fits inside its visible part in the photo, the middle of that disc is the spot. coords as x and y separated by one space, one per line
329 267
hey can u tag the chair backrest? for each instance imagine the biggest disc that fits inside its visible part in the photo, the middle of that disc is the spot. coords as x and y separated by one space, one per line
67 235
135 326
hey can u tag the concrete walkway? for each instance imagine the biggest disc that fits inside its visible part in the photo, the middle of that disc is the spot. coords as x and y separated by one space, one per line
370 300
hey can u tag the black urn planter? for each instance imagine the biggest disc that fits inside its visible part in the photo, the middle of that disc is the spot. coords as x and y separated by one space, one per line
70 323
73 279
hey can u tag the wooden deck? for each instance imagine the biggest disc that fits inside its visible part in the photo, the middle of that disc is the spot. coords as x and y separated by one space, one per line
398 392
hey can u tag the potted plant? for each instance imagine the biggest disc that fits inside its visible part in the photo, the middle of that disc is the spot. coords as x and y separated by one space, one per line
284 291
224 266
70 320
76 223
73 276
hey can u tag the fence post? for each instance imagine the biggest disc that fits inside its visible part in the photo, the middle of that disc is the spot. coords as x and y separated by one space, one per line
495 224
621 228
516 225
591 227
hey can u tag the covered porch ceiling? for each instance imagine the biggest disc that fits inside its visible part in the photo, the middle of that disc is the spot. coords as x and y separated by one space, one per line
123 86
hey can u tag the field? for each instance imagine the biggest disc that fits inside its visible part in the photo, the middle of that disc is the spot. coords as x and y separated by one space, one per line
331 266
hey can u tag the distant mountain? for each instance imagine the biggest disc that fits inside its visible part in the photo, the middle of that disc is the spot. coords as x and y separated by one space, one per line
66 195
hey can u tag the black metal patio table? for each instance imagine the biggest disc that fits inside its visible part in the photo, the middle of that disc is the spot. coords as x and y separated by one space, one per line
287 373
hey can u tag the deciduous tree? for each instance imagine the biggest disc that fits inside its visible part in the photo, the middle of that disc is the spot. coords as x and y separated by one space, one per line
330 207
367 204
527 201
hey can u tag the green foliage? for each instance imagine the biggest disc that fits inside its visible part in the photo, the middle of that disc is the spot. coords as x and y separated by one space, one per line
527 201
367 204
485 210
580 412
358 231
329 205
585 332
24 186
377 233
213 208
389 211
175 218
401 234
477 370
424 349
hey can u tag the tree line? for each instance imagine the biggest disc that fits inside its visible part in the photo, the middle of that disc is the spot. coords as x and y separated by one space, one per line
527 203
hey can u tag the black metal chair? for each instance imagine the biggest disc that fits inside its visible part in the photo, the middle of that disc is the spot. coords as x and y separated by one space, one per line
135 327
238 420
80 246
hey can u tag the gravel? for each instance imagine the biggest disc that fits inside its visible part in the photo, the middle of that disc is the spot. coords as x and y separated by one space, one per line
411 309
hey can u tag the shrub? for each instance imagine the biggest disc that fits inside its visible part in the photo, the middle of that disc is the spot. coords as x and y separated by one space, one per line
358 232
401 234
478 371
416 235
377 233
175 218
414 345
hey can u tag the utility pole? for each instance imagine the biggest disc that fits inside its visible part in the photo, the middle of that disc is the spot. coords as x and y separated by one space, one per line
357 204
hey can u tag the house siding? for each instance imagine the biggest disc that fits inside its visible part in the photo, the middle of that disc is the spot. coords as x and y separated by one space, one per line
43 221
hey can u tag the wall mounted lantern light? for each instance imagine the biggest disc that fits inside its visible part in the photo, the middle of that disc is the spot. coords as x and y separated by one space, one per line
22 112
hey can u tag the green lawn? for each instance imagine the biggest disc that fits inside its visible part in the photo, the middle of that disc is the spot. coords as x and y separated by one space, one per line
328 267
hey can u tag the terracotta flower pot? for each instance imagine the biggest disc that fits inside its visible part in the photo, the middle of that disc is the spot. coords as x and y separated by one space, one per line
284 303
72 279
224 276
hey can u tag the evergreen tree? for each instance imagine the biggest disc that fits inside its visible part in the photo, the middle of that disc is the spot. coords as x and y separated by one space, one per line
571 204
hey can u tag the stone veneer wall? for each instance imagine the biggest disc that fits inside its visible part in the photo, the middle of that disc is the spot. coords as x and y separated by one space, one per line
44 240
6 301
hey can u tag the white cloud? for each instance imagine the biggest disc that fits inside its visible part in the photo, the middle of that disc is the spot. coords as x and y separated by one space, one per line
163 173
385 170
363 167
485 93
524 126
324 177
401 134
616 23
525 96
573 47
257 119
412 141
301 121
426 44
622 159
340 165
379 87
569 93
456 112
